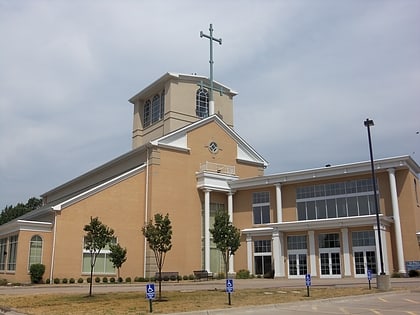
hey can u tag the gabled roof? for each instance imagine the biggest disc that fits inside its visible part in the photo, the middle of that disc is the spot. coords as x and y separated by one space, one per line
178 140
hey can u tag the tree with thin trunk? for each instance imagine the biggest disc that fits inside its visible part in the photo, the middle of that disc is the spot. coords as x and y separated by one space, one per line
118 256
159 237
226 237
98 235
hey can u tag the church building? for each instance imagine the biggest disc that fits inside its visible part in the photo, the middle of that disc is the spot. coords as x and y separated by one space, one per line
187 160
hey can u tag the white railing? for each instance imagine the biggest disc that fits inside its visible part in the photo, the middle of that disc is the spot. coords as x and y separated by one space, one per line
217 168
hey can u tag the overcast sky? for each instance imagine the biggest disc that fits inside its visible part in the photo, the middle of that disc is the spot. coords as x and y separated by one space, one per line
308 74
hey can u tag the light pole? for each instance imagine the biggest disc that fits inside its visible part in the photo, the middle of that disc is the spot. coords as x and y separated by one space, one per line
368 123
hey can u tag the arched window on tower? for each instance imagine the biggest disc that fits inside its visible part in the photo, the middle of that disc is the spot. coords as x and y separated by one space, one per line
35 250
155 108
162 105
146 114
202 103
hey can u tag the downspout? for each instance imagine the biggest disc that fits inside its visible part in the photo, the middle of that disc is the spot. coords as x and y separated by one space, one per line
55 209
146 205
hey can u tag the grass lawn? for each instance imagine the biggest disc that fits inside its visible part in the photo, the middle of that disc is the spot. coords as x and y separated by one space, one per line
176 301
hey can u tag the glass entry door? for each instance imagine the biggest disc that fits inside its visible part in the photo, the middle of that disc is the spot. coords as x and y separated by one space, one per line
364 259
298 265
330 264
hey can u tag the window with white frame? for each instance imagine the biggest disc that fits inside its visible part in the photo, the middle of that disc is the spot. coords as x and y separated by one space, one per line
3 253
12 254
363 238
335 200
35 250
202 103
103 264
261 207
262 257
154 109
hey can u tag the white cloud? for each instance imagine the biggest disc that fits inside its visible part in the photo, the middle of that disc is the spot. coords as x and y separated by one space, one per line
308 73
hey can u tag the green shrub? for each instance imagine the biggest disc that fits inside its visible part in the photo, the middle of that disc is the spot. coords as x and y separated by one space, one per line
72 280
128 279
396 275
191 277
413 273
97 279
88 280
47 281
185 277
105 280
173 278
112 280
64 280
56 280
36 271
120 279
80 280
243 274
3 282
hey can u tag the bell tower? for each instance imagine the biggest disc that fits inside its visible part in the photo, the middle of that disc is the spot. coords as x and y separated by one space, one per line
174 101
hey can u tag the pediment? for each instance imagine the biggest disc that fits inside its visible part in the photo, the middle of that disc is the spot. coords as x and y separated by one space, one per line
179 140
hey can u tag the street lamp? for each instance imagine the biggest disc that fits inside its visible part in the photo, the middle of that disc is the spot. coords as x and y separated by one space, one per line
368 123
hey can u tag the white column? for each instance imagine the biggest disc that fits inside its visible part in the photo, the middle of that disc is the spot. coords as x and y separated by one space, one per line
384 249
230 212
279 204
397 223
346 251
206 230
278 254
249 253
312 257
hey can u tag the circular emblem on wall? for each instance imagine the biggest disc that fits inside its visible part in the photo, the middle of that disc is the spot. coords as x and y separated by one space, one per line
213 148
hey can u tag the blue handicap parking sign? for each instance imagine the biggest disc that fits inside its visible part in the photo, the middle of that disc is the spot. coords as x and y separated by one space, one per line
308 280
369 274
229 285
150 291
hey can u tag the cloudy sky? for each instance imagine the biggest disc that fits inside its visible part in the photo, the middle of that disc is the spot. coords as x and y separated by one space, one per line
308 73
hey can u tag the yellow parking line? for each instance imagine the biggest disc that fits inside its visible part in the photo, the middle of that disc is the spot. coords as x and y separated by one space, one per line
383 300
410 313
412 301
343 310
375 312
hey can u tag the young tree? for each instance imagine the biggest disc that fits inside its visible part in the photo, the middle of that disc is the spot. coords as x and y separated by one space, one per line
226 237
98 235
118 256
159 236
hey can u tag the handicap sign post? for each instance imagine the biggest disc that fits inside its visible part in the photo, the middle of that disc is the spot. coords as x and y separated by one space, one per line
229 288
150 294
308 282
369 276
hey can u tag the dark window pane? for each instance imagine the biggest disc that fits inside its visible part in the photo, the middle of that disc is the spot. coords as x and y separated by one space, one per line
321 209
301 211
352 206
310 208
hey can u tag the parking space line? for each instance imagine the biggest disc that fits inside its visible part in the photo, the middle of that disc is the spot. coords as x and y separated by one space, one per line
412 301
375 312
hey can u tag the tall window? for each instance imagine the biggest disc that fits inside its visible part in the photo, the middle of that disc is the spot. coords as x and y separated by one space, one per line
262 256
146 115
335 200
202 103
103 265
12 254
261 207
3 253
35 250
154 109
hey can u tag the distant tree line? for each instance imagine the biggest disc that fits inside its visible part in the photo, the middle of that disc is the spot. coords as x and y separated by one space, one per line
10 213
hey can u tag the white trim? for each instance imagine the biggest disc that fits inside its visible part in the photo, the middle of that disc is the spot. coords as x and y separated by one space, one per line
98 188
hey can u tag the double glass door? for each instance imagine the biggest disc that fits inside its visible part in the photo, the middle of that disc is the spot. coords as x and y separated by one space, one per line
364 259
329 262
298 264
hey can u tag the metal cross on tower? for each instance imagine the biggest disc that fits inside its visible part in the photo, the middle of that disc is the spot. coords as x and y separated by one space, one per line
219 40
